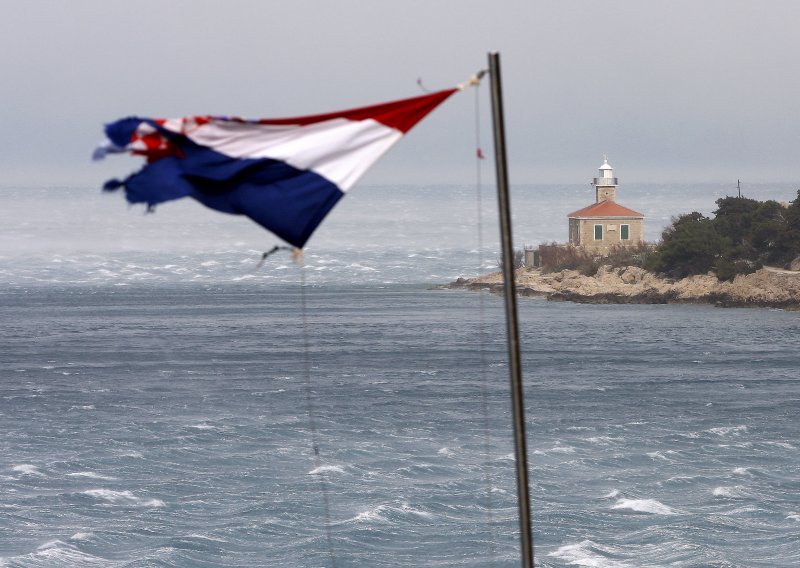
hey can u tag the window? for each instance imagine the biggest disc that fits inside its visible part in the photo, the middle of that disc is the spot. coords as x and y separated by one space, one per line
598 232
624 232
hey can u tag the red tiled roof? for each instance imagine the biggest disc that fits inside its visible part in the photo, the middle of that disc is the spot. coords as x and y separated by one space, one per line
605 209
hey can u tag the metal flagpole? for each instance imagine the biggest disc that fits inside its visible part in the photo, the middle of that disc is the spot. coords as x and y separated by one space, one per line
512 328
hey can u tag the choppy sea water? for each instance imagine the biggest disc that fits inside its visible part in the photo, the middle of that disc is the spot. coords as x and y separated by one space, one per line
155 404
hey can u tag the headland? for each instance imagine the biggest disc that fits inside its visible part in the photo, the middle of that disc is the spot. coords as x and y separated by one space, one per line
768 287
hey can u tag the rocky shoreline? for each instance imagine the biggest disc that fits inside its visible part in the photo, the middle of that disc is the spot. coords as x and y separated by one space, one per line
767 288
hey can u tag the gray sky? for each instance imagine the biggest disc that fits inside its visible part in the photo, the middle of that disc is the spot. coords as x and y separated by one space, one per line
672 91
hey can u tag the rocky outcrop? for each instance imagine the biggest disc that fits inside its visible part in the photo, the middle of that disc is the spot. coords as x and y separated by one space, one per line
768 287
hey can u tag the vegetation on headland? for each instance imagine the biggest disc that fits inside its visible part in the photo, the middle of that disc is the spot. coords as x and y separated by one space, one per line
743 236
555 258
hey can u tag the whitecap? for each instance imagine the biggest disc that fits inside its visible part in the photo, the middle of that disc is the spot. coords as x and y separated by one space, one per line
611 494
57 553
206 537
446 452
644 506
587 553
82 536
90 475
27 469
369 515
381 513
741 471
657 456
736 492
725 430
326 469
407 509
122 498
793 517
602 440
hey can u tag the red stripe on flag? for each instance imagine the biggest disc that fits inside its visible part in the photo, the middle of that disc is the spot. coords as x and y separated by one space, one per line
402 114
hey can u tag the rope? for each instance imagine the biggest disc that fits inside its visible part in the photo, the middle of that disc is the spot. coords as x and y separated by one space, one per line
312 421
482 332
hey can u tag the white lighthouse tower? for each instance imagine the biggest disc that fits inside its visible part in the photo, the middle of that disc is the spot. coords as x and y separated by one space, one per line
605 184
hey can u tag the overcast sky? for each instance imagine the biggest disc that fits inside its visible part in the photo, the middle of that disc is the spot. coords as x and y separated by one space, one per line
672 91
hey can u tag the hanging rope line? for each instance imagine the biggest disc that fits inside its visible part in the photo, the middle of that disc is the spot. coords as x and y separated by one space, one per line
487 448
312 420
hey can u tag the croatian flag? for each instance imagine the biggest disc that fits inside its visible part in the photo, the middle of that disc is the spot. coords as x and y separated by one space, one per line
285 174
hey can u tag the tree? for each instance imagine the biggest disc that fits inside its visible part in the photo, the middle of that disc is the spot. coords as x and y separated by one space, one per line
691 245
787 245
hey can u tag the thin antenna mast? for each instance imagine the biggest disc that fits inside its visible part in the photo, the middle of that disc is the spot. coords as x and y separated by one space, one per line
512 327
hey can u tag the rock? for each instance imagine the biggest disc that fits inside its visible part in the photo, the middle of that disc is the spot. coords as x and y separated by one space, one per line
795 264
633 285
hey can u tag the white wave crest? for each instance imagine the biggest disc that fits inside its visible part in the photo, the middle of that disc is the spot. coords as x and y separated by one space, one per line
657 456
602 440
326 469
382 513
27 469
123 498
793 517
611 494
587 553
725 430
55 553
559 449
730 492
644 506
90 475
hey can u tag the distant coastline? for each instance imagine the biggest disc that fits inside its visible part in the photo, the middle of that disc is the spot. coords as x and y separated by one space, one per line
766 288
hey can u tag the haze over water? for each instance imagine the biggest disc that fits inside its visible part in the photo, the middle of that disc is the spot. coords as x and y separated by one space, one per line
154 412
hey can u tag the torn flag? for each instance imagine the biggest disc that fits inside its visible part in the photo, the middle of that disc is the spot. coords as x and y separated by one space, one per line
285 174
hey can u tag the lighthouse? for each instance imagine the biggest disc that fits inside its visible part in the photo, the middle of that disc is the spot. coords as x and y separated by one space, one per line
605 224
605 183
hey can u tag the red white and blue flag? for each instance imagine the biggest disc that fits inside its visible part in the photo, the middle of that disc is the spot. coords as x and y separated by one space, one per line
285 174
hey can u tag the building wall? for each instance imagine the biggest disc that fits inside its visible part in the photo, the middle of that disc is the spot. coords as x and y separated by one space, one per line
611 233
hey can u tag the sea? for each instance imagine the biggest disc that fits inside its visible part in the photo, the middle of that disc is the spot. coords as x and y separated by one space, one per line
167 402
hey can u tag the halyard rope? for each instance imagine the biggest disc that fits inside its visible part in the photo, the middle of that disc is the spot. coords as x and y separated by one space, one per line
475 81
312 422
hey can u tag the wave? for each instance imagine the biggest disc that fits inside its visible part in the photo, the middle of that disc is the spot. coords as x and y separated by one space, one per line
27 469
326 469
90 475
122 498
650 506
737 492
725 430
387 513
588 553
56 553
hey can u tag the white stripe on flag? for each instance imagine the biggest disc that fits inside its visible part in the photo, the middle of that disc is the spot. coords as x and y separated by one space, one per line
340 150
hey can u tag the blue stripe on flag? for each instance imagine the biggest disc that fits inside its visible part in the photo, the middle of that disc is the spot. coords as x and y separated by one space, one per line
285 200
